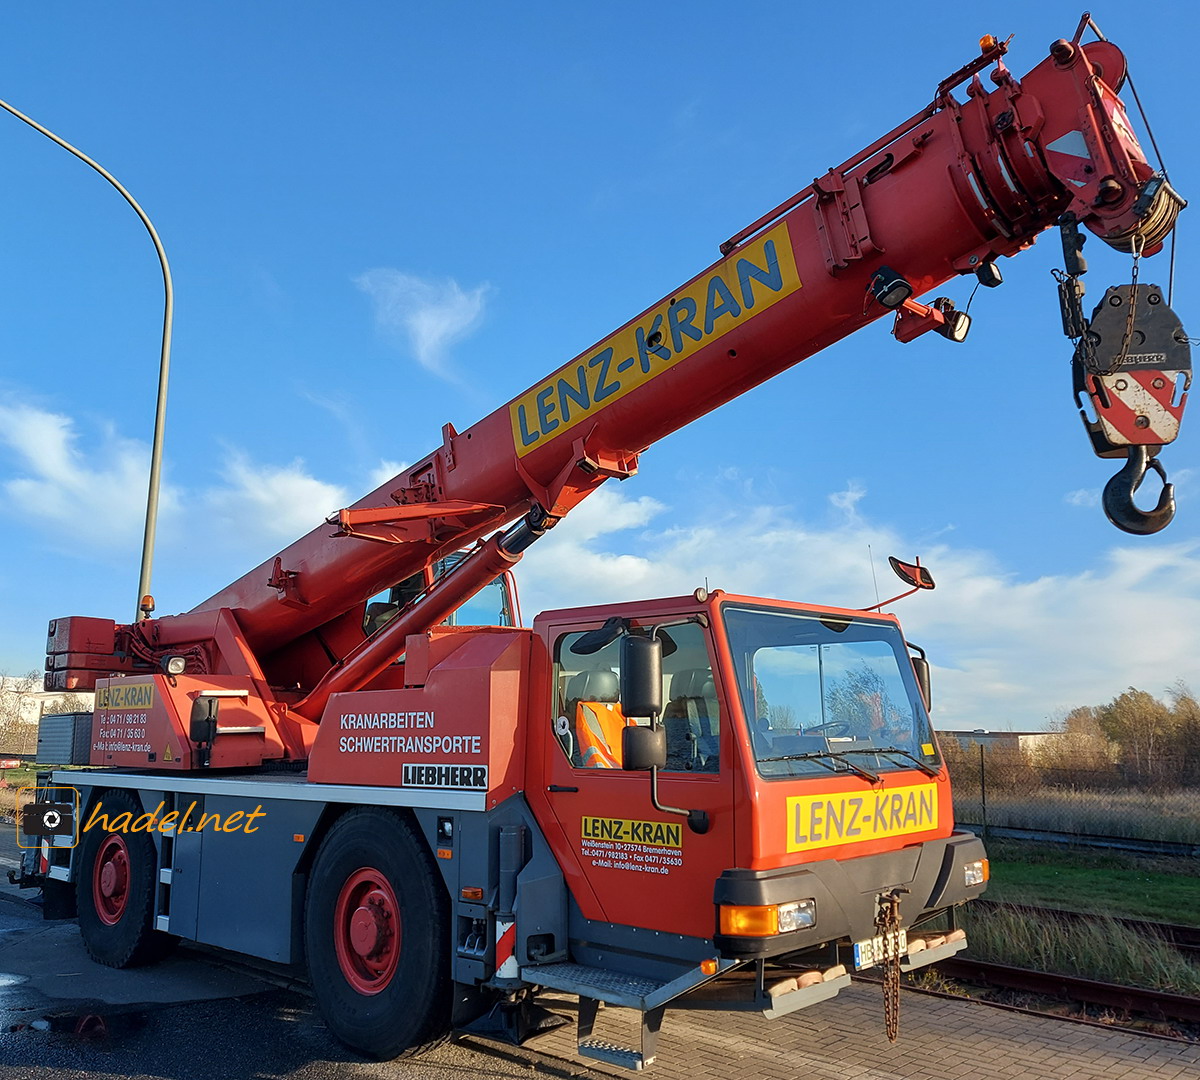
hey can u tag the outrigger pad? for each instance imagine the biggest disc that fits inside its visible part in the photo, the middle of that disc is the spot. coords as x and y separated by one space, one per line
515 1022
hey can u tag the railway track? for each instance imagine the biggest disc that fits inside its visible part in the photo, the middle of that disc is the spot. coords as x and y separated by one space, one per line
1122 999
1126 1000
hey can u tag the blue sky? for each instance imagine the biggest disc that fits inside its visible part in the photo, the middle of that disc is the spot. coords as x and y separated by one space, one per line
385 216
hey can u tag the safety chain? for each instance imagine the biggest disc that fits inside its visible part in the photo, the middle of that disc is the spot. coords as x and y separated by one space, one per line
1138 243
887 922
1070 293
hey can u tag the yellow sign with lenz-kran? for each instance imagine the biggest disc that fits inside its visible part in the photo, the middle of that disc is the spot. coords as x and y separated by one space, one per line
125 695
747 282
849 818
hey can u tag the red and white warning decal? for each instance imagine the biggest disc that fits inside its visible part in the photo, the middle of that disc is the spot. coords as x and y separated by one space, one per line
1140 412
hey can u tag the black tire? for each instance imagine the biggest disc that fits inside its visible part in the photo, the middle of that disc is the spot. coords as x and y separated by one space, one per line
119 932
395 1000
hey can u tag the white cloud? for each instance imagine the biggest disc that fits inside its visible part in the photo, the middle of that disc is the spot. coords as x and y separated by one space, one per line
1007 652
1085 497
427 316
93 489
101 493
271 502
572 564
848 498
386 470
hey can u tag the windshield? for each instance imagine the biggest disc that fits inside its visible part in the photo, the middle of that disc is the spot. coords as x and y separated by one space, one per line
824 693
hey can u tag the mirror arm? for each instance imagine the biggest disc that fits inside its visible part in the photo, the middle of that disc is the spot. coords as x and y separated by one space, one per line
697 819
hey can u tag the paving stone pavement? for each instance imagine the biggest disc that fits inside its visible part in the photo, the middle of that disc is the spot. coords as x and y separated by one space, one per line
843 1039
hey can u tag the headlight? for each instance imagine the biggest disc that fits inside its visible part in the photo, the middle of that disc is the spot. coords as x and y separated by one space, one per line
797 915
747 920
976 873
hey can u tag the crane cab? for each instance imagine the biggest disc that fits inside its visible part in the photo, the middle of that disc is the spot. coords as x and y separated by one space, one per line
797 776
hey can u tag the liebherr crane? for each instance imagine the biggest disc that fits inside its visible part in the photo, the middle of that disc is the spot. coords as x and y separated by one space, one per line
711 795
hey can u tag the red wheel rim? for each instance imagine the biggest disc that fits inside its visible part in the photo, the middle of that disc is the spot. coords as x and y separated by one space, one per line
110 880
366 931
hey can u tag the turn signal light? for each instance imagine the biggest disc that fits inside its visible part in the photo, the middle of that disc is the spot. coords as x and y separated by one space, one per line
744 920
753 920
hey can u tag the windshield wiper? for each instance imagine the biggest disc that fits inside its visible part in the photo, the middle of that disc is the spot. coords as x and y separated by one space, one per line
928 770
837 755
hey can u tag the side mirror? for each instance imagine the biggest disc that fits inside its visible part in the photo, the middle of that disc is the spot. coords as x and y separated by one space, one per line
641 676
202 727
643 748
921 671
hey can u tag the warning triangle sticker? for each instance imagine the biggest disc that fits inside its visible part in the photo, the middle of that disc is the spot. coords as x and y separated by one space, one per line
167 755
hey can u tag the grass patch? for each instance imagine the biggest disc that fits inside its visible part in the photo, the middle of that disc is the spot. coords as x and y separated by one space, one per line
1098 948
1114 883
1139 815
12 780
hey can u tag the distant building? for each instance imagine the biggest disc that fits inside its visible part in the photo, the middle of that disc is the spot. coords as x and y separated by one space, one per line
1018 740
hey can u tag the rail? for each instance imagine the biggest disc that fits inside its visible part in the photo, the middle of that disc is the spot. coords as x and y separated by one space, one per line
1124 999
1183 849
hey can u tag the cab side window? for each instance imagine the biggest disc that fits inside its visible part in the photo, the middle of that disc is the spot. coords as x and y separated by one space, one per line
588 718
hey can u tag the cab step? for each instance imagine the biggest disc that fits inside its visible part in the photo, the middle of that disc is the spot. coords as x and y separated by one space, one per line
648 996
624 1057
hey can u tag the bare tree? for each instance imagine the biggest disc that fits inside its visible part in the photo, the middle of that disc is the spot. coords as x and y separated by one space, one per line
783 717
18 731
68 703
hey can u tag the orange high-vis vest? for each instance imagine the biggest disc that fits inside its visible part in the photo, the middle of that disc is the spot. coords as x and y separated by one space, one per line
598 727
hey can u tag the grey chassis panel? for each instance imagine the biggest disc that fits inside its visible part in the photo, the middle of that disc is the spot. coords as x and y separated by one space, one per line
236 890
846 890
649 954
541 895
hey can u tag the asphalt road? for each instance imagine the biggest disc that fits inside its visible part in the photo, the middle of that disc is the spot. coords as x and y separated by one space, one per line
191 1017
199 1015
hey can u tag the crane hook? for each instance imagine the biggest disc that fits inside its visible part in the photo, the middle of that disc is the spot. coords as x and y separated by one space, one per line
1119 491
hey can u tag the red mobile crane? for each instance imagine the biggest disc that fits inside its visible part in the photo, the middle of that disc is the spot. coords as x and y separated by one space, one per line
424 815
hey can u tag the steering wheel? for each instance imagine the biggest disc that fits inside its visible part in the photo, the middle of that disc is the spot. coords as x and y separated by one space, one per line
833 729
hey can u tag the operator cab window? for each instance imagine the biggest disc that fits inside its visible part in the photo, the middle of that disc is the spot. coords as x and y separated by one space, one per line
824 694
587 711
493 605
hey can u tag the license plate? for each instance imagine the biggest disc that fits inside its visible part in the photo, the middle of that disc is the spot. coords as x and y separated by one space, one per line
872 951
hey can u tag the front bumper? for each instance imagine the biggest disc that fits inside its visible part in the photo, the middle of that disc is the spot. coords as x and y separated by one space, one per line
846 893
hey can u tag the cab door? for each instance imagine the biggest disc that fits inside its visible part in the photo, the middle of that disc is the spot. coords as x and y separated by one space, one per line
626 862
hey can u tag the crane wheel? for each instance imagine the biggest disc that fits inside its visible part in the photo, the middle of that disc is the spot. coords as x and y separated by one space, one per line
114 891
376 934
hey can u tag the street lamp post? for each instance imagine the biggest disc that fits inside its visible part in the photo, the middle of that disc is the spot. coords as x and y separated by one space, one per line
145 602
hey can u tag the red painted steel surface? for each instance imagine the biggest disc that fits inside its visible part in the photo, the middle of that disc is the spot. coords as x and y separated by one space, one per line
110 880
144 722
367 931
461 730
